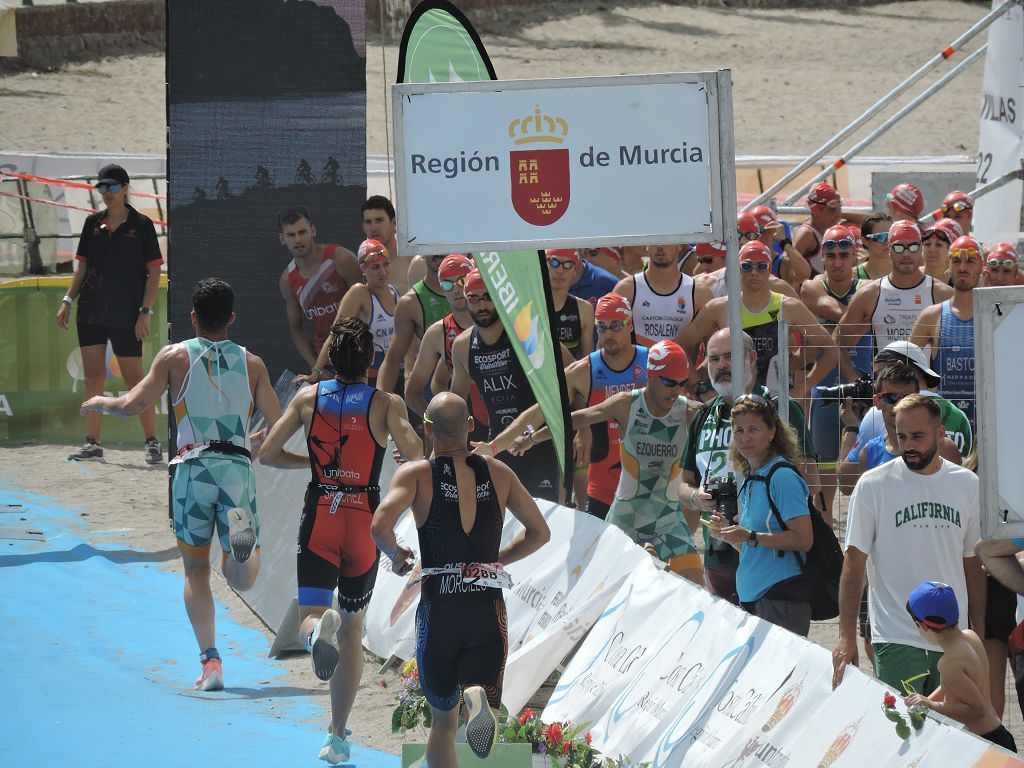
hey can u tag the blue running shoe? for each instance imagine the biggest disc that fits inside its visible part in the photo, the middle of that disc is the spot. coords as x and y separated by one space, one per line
335 750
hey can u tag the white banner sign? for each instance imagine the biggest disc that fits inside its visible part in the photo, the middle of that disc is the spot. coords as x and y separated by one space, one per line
558 593
578 161
718 688
997 215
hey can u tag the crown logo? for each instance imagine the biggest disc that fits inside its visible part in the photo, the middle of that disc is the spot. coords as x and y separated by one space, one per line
537 128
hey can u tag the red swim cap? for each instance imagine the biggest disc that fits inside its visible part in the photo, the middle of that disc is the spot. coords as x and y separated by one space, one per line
747 222
612 306
906 199
666 358
755 250
474 283
904 231
371 252
763 214
454 266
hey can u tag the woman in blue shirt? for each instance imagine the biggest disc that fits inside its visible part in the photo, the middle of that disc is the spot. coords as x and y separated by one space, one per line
769 579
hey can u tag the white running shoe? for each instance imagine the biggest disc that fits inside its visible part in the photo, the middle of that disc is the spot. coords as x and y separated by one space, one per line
481 725
335 750
242 536
324 644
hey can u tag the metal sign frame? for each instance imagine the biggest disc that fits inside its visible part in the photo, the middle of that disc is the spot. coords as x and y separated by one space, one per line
720 160
1000 422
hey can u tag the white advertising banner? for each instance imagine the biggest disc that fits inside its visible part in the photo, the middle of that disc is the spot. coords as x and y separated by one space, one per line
558 593
719 688
507 165
997 214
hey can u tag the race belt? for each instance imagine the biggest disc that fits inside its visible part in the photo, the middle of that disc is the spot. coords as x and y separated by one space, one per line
484 574
330 489
194 450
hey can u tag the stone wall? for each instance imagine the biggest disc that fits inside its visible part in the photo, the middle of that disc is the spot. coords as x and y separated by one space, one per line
52 35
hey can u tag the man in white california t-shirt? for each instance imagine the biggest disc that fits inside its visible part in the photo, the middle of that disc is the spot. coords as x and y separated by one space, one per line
913 519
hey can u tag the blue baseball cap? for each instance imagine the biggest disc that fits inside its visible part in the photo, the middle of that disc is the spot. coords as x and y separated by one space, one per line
934 605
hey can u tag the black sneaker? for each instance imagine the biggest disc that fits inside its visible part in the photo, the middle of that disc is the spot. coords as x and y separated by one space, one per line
90 450
153 453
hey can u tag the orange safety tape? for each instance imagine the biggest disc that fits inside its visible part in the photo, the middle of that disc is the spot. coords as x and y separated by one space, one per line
157 222
73 184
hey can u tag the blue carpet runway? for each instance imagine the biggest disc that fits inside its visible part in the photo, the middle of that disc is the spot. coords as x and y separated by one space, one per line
97 661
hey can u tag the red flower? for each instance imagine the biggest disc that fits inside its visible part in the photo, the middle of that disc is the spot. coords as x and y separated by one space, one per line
588 738
527 714
553 733
565 747
889 701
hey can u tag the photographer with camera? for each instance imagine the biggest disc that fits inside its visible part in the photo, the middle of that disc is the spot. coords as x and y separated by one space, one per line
871 425
892 384
774 519
708 482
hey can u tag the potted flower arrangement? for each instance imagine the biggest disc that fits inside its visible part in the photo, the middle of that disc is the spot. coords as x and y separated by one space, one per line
412 710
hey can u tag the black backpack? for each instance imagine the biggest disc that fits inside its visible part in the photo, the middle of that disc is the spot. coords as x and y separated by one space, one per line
824 560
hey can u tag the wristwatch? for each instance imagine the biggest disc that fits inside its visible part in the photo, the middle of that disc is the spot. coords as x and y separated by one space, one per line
785 241
145 310
752 539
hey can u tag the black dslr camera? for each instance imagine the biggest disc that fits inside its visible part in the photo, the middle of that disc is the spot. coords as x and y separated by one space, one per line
862 389
723 491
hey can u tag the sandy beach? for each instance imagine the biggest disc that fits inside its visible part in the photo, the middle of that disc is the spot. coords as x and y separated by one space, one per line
799 75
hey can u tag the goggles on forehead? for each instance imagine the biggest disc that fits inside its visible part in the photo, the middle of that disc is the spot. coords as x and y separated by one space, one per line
750 397
963 253
958 206
826 203
932 233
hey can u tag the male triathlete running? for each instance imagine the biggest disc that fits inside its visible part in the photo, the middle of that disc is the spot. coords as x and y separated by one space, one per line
459 503
653 426
483 355
214 385
618 366
347 425
663 299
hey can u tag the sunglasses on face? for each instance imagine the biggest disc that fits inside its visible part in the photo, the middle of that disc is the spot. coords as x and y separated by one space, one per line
112 188
671 383
749 235
878 237
889 398
959 206
474 298
556 263
843 244
750 266
450 285
908 247
614 326
1004 263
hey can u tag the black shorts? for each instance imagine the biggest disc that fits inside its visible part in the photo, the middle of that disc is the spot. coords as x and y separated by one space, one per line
336 550
122 340
1002 737
537 470
461 644
597 508
1000 610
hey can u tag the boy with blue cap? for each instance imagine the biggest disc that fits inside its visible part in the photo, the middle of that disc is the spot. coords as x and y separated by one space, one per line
963 692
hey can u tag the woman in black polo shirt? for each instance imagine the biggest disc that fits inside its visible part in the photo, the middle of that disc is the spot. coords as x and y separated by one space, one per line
116 281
